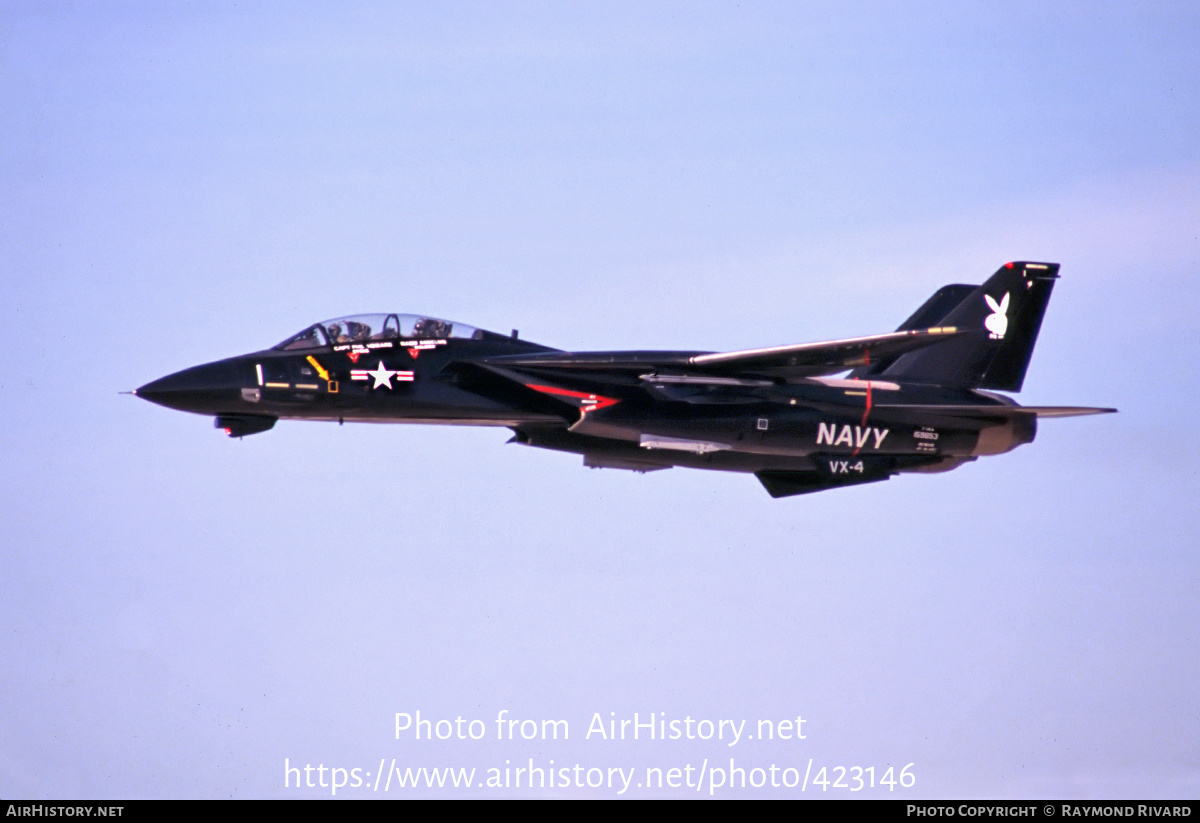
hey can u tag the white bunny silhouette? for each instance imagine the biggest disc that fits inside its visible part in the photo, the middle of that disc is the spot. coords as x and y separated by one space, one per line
997 323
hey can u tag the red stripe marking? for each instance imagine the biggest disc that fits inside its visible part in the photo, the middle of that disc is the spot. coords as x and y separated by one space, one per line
866 413
592 401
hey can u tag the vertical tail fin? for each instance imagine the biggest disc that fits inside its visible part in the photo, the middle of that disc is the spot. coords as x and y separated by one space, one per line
1003 315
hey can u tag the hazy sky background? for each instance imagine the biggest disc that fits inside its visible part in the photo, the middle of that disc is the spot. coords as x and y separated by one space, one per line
184 182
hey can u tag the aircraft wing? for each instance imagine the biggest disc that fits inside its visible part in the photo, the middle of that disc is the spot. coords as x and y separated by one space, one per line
801 360
829 357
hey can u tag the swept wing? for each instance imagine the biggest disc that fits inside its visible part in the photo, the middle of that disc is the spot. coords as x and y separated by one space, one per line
779 362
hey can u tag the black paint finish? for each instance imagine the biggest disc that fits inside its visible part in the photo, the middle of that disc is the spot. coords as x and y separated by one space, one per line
913 400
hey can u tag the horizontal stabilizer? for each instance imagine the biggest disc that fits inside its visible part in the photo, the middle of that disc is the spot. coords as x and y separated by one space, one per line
996 411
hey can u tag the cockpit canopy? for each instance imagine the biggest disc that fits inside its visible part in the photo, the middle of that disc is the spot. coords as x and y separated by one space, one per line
368 328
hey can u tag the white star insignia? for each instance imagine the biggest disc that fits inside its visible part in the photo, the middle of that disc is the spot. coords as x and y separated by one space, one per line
382 376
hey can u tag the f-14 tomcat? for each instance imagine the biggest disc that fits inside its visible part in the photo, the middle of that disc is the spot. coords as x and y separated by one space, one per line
919 399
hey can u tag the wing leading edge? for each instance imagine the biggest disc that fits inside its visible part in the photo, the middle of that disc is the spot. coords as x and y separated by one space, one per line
784 362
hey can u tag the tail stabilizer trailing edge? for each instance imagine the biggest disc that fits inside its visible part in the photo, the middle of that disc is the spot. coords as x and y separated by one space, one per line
1003 317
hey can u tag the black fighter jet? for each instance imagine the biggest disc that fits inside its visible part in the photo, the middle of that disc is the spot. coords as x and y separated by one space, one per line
915 400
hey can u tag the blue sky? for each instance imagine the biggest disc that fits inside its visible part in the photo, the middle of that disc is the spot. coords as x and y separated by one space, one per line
185 182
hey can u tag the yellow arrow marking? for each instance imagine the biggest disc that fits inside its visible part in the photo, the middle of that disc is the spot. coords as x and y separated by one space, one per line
320 370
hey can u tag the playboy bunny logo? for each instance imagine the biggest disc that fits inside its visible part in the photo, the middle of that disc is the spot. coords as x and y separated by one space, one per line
997 323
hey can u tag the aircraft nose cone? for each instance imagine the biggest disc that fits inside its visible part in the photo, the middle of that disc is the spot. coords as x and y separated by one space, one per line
202 389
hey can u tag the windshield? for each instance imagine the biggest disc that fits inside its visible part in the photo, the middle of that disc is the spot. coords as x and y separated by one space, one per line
367 328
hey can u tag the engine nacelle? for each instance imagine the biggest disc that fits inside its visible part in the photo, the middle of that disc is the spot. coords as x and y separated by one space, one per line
1017 431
